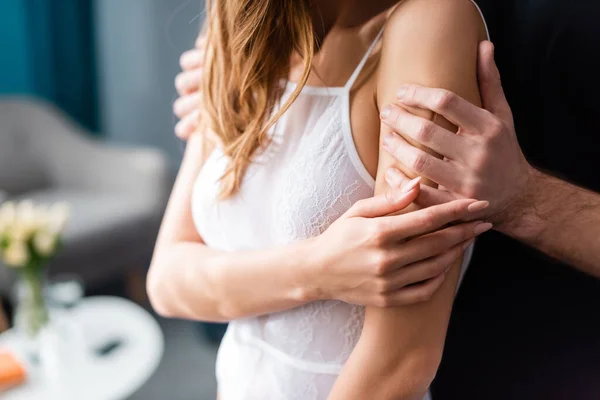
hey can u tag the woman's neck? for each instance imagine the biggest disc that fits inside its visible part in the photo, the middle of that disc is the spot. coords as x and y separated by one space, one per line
345 13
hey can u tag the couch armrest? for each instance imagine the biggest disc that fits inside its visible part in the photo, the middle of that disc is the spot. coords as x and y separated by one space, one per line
73 158
137 171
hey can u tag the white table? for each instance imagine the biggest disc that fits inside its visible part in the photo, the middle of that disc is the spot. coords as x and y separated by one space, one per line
115 376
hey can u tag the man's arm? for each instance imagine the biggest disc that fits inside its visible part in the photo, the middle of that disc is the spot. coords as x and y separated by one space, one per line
485 161
559 219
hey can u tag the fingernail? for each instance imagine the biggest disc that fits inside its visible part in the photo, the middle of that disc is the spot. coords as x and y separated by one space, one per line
386 112
468 243
411 185
478 206
483 227
401 93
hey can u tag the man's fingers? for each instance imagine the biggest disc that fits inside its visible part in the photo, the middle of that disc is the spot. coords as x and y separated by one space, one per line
187 104
191 59
425 132
490 84
384 204
421 162
201 42
188 82
451 106
436 243
428 197
188 125
424 270
427 220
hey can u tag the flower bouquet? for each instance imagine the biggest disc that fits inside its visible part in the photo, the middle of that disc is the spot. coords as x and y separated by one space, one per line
30 235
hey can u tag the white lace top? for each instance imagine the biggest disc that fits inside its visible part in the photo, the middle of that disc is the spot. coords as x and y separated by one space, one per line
303 181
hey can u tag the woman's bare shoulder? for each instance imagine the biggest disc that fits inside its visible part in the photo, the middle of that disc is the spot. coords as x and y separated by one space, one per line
435 21
432 43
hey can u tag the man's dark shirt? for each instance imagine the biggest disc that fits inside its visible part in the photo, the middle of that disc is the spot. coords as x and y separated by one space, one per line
525 326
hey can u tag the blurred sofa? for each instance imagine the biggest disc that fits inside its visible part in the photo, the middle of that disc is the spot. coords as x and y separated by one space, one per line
117 194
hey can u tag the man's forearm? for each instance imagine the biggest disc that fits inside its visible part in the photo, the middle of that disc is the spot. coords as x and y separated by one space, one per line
561 220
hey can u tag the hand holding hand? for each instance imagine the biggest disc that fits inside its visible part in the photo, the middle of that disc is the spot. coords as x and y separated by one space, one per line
369 257
483 160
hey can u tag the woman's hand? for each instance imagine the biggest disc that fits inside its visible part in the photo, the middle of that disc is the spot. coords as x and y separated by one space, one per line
187 106
369 257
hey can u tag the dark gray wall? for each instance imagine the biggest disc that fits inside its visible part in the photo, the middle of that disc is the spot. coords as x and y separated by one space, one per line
139 44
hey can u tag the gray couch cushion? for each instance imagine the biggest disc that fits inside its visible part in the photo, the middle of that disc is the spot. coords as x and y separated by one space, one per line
118 194
20 168
105 231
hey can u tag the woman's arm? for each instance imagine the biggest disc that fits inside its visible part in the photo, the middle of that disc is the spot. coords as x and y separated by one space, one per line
434 43
187 279
349 262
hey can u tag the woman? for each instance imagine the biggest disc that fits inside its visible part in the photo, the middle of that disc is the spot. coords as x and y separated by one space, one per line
280 194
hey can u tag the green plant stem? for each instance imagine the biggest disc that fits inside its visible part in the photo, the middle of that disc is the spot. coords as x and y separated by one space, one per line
35 303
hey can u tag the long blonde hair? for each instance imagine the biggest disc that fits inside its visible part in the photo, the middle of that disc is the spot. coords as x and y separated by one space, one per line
249 46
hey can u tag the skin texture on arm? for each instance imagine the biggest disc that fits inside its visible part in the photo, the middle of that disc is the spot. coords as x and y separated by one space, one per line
561 220
430 42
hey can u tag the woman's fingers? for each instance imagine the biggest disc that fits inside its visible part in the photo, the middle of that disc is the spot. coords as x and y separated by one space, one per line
188 125
433 244
385 204
188 82
424 270
185 105
428 197
421 222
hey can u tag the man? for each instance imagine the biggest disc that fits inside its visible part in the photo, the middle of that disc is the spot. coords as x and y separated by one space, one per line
526 324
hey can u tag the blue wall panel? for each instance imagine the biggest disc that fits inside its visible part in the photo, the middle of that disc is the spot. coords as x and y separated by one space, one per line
47 50
15 58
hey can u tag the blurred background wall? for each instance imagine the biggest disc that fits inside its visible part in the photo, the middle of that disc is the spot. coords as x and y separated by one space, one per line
138 46
15 63
50 53
110 64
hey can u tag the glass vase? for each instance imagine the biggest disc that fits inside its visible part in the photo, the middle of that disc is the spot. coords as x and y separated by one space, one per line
31 314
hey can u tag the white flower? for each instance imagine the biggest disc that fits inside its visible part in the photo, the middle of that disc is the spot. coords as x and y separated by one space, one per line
58 215
26 221
8 212
44 243
16 254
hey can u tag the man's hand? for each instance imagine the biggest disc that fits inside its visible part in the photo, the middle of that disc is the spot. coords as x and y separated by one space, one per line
187 106
483 160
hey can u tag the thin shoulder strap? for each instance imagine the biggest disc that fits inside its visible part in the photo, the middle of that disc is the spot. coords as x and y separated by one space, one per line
487 30
362 62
